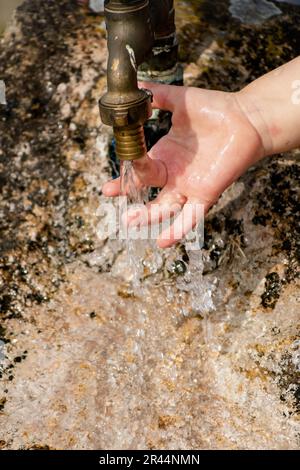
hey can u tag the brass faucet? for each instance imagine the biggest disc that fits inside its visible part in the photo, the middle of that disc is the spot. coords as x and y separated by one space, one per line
141 37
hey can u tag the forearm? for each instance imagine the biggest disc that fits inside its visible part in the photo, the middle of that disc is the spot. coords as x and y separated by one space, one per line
272 104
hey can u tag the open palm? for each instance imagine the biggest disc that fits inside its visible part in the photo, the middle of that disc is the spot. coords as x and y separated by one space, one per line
211 143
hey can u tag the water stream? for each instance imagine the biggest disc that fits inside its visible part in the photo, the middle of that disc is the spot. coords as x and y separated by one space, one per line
133 197
178 269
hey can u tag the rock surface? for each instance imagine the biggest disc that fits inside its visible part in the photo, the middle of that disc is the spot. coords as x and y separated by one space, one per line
85 362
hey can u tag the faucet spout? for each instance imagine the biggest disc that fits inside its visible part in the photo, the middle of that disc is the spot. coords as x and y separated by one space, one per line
125 107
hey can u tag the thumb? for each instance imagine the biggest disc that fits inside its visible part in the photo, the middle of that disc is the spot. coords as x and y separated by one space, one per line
165 97
151 172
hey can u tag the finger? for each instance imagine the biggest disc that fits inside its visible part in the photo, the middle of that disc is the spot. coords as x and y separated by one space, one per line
164 207
190 216
112 188
151 172
165 97
147 172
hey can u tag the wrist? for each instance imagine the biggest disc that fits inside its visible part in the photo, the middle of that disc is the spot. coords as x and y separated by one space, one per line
253 112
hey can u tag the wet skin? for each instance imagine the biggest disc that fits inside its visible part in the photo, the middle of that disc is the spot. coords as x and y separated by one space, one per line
201 156
215 137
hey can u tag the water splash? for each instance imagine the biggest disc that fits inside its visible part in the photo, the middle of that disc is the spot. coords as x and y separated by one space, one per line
178 270
135 196
192 292
199 290
253 11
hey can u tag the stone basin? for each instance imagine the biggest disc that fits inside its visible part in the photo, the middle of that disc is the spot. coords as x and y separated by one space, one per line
87 362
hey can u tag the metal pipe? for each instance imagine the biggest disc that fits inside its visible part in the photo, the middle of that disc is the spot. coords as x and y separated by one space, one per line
161 65
125 106
163 18
141 37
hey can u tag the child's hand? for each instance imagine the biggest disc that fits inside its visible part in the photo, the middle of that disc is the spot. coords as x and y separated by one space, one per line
211 143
